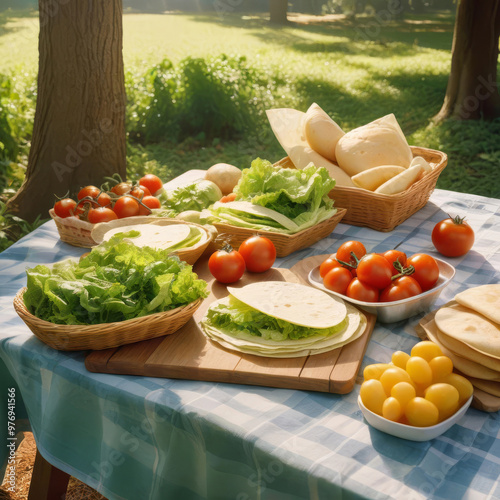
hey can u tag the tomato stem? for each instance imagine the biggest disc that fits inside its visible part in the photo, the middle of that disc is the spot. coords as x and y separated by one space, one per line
352 266
403 271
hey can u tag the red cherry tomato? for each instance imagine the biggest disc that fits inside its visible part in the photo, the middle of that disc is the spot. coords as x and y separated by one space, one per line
101 214
65 207
344 251
91 191
426 270
140 192
360 291
329 264
121 188
453 237
401 288
259 253
395 256
226 265
337 279
229 197
126 206
152 182
150 202
375 270
104 199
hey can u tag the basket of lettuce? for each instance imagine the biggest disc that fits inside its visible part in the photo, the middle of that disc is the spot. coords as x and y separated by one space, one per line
118 294
291 207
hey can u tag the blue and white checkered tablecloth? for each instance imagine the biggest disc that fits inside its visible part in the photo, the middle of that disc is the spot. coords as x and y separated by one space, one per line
150 438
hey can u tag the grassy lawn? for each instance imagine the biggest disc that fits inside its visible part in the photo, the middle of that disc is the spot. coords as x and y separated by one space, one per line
355 71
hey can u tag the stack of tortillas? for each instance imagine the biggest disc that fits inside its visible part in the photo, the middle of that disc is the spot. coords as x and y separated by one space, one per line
335 323
375 157
468 332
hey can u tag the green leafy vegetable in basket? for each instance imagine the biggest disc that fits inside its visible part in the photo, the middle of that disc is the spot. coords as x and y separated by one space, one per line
196 196
117 281
277 199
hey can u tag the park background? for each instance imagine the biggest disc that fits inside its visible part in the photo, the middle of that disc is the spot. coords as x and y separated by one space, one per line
199 75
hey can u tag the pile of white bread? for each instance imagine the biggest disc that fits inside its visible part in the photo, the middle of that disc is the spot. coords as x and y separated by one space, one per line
375 157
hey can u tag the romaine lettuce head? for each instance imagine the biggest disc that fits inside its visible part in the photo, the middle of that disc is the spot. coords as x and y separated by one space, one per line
115 282
237 317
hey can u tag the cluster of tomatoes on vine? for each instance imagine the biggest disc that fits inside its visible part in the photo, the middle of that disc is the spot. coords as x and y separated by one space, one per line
123 199
378 277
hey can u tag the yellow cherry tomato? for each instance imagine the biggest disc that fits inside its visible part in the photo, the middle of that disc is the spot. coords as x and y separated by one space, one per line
441 366
373 395
391 409
461 384
375 370
445 397
399 358
419 370
421 413
392 376
404 392
427 350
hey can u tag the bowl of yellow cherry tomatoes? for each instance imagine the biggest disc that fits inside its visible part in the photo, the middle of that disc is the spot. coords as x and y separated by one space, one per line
416 396
391 285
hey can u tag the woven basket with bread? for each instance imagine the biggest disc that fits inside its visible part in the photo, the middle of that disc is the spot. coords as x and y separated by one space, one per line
380 180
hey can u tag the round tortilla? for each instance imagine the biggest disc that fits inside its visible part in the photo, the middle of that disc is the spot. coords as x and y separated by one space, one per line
152 235
471 328
466 351
466 366
488 386
293 302
355 327
484 299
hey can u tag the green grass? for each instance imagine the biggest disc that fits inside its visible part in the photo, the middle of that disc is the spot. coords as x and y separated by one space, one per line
355 71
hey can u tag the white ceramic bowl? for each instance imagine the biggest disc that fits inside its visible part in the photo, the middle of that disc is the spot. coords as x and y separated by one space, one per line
408 431
390 312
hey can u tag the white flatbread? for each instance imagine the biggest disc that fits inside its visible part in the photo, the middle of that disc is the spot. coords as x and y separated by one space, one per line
484 299
298 304
152 235
355 327
473 329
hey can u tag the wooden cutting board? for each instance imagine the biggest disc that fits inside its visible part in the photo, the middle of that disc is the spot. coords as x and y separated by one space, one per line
188 354
481 400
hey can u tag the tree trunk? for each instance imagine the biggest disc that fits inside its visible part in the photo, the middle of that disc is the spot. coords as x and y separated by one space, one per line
278 11
472 91
79 129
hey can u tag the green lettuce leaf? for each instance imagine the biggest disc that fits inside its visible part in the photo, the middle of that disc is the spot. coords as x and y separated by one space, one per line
300 195
115 282
239 317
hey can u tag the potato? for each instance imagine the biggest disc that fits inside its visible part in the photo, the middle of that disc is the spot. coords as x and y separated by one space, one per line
401 182
224 175
374 177
321 132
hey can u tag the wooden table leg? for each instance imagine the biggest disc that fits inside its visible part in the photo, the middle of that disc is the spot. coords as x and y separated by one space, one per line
47 482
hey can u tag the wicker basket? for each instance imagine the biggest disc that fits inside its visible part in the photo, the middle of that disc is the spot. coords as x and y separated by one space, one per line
74 231
78 233
285 243
384 212
104 335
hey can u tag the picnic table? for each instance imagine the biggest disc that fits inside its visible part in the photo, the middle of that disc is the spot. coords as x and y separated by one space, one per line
132 437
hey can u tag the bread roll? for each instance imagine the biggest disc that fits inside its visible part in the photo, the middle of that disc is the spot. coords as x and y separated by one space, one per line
378 143
301 157
321 132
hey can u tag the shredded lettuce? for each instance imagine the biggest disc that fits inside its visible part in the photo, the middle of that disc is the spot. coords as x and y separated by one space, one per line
300 195
115 282
237 317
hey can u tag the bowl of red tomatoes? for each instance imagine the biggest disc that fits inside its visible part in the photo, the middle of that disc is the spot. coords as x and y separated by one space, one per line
391 285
